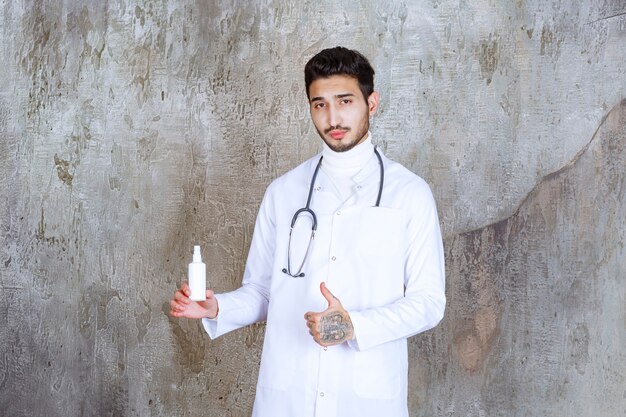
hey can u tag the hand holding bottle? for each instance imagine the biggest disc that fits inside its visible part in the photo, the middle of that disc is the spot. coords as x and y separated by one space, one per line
193 300
182 306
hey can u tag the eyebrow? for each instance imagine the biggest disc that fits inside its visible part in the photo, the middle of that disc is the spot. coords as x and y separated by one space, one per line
336 96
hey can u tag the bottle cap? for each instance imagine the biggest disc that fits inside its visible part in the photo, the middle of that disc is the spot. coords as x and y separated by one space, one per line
196 254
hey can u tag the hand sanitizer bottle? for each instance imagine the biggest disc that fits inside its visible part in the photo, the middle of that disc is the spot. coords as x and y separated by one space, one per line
197 276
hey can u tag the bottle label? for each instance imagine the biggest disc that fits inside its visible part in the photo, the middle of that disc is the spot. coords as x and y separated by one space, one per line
197 281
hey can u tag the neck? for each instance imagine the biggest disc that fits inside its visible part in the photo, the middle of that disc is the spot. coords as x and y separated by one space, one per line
349 163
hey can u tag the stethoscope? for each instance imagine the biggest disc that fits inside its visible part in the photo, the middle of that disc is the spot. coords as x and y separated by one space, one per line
307 209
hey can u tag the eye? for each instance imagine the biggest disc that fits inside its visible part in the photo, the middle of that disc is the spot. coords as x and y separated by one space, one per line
318 105
345 101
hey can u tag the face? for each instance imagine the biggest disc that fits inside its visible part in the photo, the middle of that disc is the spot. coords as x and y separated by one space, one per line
339 112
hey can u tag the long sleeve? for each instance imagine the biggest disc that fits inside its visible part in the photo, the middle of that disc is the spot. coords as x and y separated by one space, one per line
424 301
248 304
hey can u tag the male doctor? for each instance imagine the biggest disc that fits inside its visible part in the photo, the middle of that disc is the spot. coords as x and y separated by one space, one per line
360 271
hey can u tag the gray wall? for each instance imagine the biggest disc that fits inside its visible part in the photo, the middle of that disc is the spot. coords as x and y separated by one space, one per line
130 131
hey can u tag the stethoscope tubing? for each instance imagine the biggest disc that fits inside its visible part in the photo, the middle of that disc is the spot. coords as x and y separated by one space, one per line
307 209
382 177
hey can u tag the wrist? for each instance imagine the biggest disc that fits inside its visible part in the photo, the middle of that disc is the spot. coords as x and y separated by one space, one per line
212 315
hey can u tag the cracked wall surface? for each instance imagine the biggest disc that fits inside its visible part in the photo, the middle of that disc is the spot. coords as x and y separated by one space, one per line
537 301
132 130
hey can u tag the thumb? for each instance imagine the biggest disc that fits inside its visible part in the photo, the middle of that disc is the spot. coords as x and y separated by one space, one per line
332 300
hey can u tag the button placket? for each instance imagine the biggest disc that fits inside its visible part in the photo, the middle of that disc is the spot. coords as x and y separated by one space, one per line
322 378
335 226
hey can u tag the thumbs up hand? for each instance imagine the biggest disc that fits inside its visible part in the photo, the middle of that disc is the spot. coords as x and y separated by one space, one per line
331 326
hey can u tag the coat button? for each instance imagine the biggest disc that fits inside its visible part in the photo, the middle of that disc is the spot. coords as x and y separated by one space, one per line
339 213
334 258
325 348
321 394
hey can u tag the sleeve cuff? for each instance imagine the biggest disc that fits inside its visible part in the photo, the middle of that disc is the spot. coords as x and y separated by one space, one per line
211 325
355 319
236 310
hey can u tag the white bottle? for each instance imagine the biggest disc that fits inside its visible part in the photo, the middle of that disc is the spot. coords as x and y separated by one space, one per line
197 276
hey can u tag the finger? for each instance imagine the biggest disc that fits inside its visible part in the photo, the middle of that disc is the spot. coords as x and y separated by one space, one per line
177 306
328 295
209 294
181 297
312 317
174 311
185 289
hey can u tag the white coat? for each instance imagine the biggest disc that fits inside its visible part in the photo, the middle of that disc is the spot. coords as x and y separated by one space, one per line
386 266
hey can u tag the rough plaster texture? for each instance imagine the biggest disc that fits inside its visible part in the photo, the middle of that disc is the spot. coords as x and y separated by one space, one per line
131 130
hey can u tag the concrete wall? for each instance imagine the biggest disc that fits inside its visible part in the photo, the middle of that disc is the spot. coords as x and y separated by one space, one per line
131 130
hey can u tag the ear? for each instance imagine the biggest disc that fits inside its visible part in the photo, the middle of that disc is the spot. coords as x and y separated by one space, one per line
372 102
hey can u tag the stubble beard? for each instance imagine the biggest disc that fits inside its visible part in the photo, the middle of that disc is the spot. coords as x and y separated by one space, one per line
345 147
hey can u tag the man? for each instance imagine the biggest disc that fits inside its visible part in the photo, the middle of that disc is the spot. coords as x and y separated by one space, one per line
339 305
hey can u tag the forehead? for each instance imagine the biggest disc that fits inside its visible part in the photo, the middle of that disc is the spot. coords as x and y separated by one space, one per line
334 85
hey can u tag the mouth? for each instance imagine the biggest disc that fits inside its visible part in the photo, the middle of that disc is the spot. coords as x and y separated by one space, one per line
338 134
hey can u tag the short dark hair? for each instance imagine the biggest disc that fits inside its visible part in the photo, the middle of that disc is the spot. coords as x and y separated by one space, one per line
340 61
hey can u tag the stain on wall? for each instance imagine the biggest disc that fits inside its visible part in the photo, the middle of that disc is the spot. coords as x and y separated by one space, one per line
528 325
132 130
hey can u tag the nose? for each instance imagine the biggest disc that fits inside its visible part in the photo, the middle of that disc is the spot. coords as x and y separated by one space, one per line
334 115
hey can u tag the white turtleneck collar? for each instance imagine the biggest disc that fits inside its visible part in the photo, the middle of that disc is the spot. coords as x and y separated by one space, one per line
344 165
